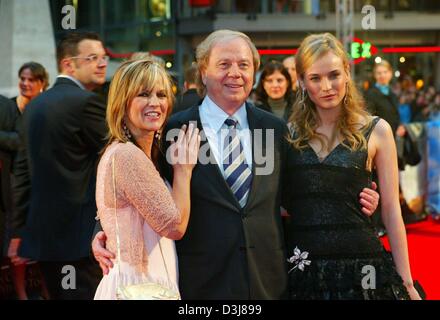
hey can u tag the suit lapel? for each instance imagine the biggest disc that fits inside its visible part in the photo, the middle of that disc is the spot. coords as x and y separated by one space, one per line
209 174
257 148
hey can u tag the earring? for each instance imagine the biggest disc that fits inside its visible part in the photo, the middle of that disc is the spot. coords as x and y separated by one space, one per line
127 133
157 135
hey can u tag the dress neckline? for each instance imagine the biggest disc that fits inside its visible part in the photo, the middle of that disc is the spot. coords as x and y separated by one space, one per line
323 159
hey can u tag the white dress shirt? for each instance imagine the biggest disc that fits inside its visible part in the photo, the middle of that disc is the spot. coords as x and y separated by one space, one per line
213 122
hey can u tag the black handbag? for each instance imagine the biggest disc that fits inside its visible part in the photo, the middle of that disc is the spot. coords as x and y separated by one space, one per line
407 151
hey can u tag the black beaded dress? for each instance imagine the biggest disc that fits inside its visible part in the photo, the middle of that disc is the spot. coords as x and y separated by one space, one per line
333 248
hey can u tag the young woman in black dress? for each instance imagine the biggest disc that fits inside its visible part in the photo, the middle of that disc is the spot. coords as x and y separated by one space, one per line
335 145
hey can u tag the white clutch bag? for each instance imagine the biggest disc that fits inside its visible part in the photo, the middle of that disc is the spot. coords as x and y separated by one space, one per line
146 291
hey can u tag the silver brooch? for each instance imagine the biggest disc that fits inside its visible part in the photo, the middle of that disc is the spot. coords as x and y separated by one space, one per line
299 260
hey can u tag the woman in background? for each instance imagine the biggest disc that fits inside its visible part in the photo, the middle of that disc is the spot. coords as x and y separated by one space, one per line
33 79
274 92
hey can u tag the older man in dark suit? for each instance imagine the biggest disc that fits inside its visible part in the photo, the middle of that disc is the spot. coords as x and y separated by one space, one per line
234 245
54 191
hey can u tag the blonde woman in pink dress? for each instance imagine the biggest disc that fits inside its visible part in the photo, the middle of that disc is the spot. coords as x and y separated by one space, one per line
150 215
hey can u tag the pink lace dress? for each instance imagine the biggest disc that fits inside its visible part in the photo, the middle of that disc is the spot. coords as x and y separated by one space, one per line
146 212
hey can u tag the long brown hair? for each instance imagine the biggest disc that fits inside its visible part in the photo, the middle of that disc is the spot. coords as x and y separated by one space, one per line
305 119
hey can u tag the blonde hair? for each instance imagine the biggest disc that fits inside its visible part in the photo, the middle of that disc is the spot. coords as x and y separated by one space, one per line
204 49
305 118
131 78
382 63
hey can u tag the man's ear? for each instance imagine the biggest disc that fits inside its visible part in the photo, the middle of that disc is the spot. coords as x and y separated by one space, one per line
67 66
203 75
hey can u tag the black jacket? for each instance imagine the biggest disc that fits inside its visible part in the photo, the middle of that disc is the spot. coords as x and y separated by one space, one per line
229 252
8 144
386 107
291 100
188 99
55 172
9 125
287 111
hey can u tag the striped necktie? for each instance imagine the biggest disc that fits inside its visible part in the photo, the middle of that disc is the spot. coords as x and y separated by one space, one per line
236 171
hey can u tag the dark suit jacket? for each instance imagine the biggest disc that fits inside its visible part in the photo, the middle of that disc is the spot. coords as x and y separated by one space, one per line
8 144
229 252
9 125
386 107
55 172
185 101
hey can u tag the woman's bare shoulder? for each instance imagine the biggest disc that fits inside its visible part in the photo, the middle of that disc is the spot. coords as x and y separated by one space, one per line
383 129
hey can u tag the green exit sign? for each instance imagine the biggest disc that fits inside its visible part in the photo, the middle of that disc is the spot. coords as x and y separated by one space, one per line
360 50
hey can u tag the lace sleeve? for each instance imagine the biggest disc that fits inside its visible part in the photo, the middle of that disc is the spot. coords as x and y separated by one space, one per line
139 183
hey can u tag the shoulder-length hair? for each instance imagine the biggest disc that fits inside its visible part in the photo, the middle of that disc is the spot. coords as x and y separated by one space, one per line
38 72
130 79
305 120
269 69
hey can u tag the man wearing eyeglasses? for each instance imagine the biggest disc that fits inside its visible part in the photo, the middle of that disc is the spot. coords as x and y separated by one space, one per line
54 190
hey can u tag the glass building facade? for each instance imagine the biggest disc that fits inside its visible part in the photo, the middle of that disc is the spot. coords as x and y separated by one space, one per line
125 25
152 25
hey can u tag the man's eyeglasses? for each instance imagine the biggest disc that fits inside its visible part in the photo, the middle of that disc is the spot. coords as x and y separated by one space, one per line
94 58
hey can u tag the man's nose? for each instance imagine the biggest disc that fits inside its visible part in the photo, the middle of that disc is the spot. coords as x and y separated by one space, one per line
103 63
234 71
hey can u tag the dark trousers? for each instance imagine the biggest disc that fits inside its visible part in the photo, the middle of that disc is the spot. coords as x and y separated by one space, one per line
71 280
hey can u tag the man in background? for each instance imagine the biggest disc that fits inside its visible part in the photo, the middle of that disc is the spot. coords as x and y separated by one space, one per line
63 132
189 97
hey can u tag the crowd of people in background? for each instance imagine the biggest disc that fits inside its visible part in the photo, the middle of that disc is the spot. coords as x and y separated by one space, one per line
38 152
413 104
417 105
